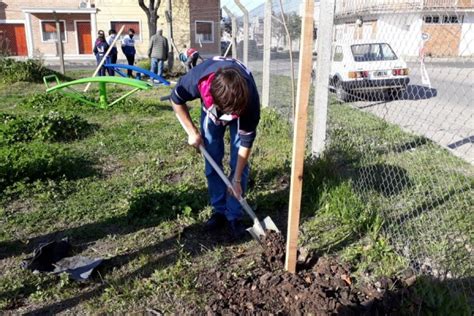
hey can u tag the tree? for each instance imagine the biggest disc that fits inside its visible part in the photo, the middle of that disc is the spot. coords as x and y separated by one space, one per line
151 12
293 21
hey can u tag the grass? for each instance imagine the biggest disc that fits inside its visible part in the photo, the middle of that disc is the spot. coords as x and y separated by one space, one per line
134 193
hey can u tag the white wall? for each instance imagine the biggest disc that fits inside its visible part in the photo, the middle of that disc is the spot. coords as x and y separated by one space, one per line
402 32
466 46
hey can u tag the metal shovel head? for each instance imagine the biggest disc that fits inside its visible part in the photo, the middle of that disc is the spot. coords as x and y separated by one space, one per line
258 229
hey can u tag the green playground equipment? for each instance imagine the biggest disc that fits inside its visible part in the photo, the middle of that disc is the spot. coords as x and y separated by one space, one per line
67 89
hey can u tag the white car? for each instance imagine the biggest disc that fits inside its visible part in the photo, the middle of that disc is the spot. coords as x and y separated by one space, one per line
366 67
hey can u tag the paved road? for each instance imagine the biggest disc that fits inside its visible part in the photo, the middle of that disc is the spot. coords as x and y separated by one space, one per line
444 113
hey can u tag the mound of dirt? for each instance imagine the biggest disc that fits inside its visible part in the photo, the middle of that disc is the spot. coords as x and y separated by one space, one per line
324 288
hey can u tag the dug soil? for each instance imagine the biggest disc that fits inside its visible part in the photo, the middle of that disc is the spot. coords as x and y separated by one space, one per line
323 286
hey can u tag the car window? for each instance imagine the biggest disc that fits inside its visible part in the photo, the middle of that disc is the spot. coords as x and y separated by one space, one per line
373 52
338 55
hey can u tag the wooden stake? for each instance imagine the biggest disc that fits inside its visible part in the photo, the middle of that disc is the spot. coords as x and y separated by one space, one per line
105 56
299 134
177 53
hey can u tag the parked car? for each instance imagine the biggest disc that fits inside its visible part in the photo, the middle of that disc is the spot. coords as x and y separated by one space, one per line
366 67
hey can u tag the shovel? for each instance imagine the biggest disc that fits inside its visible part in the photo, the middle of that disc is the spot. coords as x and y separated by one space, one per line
258 229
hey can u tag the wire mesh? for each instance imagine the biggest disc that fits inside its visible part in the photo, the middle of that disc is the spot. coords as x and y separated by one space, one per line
400 116
402 73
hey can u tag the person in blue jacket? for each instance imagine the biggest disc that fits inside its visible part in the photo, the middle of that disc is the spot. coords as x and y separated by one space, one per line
229 99
128 48
100 48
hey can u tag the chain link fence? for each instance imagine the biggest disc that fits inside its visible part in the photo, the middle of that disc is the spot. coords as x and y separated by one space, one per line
399 116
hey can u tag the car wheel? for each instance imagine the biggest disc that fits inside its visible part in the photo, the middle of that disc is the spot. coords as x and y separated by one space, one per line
341 94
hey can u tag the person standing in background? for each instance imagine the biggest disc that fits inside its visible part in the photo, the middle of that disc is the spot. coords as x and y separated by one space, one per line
100 48
112 58
128 48
158 52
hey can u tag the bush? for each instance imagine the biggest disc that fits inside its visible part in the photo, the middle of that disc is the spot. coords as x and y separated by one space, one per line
37 161
53 126
46 101
144 63
30 70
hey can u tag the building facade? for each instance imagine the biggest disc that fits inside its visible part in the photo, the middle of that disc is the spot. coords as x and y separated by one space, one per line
444 28
28 27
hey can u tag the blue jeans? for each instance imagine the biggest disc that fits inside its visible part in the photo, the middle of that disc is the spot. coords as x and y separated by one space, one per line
102 70
157 66
213 136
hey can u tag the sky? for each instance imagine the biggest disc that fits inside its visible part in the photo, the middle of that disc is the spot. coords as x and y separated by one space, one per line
249 4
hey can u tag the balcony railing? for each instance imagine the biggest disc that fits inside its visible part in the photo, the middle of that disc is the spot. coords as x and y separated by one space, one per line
351 7
441 4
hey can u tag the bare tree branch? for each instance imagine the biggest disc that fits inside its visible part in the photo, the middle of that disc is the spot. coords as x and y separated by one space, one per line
157 5
143 6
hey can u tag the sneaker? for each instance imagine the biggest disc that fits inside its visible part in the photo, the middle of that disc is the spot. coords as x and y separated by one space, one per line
216 221
236 229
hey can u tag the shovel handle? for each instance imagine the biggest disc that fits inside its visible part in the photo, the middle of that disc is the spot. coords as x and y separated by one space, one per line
226 180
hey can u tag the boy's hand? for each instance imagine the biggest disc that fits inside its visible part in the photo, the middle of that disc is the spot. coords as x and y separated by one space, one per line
195 139
236 185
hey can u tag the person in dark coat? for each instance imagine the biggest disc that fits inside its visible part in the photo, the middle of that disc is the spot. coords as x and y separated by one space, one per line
128 49
158 52
100 48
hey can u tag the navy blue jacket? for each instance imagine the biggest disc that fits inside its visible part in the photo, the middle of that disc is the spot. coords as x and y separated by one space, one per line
187 90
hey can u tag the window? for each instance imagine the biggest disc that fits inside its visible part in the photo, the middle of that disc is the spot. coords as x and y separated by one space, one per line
48 31
135 25
445 19
373 52
432 19
204 31
451 19
338 55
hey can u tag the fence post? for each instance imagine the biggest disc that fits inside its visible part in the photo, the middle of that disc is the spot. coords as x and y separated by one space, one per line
246 31
267 40
299 134
234 31
325 33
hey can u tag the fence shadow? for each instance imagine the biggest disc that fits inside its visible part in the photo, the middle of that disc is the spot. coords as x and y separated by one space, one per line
421 295
464 141
193 239
147 208
388 180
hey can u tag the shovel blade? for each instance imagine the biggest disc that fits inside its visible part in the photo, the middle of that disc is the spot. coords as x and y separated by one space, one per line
258 229
268 224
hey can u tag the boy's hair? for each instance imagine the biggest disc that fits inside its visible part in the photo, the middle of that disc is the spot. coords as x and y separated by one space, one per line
112 31
230 91
131 31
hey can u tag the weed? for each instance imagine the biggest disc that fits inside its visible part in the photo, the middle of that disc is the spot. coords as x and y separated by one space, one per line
30 70
52 126
37 160
50 101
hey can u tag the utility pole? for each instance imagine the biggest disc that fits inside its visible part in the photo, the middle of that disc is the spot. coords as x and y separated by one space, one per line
59 44
267 41
234 31
323 65
246 31
169 18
